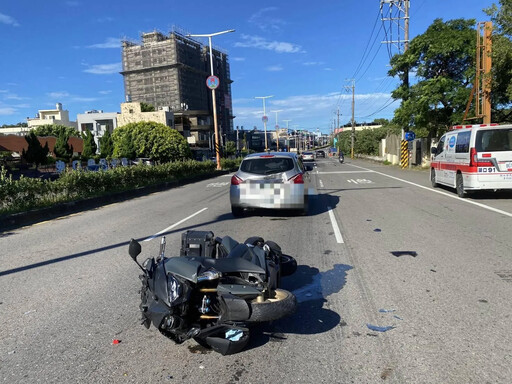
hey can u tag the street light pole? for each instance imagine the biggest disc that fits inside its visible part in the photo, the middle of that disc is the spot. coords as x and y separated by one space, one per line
277 129
287 133
264 118
214 101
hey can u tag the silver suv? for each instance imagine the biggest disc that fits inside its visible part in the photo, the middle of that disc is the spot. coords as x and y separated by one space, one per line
275 180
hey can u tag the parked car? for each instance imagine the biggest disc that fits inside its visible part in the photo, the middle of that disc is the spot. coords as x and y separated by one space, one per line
275 180
320 153
308 156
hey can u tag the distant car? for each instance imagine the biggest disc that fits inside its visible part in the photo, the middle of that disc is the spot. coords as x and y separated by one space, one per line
320 154
308 156
275 180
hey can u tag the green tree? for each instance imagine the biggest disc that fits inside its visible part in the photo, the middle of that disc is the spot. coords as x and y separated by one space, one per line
145 107
442 60
150 139
502 17
35 152
54 130
230 148
62 149
106 145
90 146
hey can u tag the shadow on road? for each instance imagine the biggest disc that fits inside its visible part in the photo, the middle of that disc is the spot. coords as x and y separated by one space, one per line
312 289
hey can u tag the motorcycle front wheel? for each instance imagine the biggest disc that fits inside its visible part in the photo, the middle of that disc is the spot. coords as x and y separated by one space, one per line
282 304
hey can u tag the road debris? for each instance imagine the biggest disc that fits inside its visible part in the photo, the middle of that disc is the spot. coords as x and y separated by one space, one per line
379 329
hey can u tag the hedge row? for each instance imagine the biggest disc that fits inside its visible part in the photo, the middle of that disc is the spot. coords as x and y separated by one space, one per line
28 193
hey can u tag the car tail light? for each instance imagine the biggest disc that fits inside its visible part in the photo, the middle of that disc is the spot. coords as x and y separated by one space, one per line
297 179
473 159
235 180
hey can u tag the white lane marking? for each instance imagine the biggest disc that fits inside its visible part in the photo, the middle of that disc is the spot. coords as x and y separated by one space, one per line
443 193
360 181
321 184
335 227
324 173
218 185
174 225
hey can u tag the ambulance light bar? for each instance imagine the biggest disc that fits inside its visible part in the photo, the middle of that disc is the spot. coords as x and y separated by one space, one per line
473 126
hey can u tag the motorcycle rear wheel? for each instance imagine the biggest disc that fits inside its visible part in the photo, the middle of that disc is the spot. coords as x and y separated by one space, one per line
282 304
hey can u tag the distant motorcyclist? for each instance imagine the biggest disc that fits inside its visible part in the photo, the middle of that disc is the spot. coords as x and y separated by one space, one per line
341 157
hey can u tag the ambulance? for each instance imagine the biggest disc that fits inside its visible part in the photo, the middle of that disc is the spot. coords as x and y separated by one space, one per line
473 158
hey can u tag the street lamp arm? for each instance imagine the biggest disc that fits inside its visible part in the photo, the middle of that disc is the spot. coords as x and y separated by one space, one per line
210 34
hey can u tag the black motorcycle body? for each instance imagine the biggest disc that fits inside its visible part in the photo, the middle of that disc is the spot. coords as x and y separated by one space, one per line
215 290
341 158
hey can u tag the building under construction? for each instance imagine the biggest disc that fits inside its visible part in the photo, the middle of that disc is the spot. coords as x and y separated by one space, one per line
170 72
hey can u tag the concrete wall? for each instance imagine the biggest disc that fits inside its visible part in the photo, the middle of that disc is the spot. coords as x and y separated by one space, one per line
131 113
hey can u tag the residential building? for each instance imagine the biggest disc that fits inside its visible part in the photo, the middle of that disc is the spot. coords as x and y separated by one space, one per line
18 131
170 72
98 122
56 116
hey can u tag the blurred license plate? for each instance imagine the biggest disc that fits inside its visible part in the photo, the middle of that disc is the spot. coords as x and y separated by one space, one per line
508 165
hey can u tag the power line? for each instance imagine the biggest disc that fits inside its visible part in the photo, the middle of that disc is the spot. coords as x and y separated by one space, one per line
365 55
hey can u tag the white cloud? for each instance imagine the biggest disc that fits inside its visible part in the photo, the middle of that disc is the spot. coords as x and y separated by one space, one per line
110 42
13 96
327 69
274 68
104 69
238 58
104 92
58 95
5 19
264 21
7 111
83 99
311 63
262 43
106 19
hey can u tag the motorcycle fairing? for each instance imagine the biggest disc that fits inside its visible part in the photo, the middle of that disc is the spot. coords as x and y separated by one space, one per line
189 267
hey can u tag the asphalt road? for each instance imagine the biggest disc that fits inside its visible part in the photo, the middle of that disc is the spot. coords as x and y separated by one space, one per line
380 249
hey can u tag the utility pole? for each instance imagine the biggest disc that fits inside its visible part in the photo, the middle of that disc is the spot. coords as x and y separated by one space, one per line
353 135
398 17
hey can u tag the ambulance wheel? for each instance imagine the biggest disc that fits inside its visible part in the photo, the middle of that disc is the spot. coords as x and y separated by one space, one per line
459 185
433 178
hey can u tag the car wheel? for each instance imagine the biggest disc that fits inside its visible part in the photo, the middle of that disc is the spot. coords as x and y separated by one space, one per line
433 178
237 211
282 304
459 185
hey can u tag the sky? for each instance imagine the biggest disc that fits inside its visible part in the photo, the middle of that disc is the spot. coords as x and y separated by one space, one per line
302 53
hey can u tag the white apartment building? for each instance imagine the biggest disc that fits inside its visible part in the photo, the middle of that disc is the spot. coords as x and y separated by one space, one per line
57 116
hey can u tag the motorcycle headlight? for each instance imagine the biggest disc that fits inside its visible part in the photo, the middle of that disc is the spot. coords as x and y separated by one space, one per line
174 288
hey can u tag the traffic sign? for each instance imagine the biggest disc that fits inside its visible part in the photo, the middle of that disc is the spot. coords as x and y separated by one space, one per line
212 82
277 126
264 118
410 136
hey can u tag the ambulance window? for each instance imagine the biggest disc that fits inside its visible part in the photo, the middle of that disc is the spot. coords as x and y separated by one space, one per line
494 140
440 146
462 145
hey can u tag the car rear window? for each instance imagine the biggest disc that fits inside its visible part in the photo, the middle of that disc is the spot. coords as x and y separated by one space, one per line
494 140
265 166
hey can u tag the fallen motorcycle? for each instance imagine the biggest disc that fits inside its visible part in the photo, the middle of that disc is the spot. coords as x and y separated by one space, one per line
215 290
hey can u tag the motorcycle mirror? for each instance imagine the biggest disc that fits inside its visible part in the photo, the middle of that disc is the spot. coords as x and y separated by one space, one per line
134 249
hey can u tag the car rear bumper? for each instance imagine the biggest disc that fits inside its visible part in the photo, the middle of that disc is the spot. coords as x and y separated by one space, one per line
273 196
